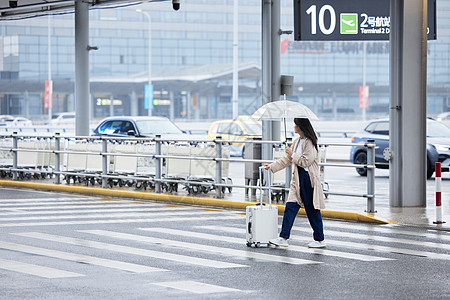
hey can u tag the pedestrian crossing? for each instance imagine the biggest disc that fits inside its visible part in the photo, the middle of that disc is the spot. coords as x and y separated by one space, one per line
153 241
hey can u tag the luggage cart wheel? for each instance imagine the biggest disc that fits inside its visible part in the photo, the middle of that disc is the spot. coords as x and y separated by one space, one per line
257 245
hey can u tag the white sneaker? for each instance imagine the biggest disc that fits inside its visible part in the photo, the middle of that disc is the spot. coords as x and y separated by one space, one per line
317 244
279 241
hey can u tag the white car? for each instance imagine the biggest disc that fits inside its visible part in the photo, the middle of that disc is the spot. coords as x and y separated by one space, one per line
65 118
444 118
11 121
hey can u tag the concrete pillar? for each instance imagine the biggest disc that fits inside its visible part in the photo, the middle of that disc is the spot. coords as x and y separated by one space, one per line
266 93
334 100
407 186
172 106
27 104
275 61
134 109
82 68
188 106
111 105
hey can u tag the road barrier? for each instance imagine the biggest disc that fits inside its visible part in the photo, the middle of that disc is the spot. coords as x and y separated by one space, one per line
438 194
201 166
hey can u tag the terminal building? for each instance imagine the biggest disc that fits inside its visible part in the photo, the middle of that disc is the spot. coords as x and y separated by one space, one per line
191 63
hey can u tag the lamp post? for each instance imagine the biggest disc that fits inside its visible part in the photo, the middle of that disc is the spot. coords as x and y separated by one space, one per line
50 83
150 89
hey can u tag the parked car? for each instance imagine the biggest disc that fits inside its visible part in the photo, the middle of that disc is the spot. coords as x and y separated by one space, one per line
444 118
11 121
240 129
137 126
65 119
438 145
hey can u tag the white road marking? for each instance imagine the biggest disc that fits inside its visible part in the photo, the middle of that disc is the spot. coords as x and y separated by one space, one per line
201 247
83 211
393 230
131 250
119 221
35 270
331 242
43 199
229 239
154 214
195 287
79 258
65 205
377 238
390 249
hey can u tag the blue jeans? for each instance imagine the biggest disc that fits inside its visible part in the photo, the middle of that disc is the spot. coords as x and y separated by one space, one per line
291 209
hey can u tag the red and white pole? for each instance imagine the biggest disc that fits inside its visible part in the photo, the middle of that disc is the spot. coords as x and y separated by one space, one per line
438 194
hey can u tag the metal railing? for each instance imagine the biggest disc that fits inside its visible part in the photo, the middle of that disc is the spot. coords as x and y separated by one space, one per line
53 161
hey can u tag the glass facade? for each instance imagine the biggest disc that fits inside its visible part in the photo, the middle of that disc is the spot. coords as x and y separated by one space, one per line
327 75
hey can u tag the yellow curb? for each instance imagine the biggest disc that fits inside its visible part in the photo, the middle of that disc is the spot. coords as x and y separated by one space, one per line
202 201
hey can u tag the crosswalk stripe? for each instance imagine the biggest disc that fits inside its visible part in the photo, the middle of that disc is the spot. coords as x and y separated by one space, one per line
355 245
83 211
390 229
379 238
155 214
43 199
433 235
119 221
390 249
35 270
114 264
242 240
201 247
195 287
68 204
131 250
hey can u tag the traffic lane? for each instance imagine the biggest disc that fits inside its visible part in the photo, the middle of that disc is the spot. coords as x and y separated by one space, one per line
333 276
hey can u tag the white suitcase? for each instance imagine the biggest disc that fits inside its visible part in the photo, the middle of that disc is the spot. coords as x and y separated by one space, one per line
262 220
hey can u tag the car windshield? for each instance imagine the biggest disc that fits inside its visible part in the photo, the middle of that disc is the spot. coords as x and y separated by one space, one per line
152 127
6 119
436 129
253 128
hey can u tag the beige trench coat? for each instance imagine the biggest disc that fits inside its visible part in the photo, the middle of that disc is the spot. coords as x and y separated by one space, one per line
309 158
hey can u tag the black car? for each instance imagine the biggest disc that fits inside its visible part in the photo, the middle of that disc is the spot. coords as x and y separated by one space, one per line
137 126
438 145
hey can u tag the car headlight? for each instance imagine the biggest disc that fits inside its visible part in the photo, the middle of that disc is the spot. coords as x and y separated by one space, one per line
442 147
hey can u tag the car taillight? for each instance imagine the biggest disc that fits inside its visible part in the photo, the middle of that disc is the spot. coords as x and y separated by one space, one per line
353 138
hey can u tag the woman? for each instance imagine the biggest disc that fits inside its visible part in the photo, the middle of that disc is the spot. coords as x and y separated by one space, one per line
306 190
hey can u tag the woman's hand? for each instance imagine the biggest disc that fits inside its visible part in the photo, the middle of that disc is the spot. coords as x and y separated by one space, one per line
288 150
266 166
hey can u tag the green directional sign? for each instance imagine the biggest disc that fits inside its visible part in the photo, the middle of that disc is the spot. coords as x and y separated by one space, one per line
349 23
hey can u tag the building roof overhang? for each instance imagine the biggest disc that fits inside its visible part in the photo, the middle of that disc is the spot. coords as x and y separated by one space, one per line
21 9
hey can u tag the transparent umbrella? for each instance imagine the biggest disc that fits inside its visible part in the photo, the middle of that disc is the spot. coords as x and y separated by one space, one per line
283 109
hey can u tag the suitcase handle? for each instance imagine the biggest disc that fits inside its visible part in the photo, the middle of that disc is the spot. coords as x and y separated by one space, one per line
269 181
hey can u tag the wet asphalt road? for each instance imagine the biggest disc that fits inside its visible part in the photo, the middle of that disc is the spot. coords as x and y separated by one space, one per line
64 246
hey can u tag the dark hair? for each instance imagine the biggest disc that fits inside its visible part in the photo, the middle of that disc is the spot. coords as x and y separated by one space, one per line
307 129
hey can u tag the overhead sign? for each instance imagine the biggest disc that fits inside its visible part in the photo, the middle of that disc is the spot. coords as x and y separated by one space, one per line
336 20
